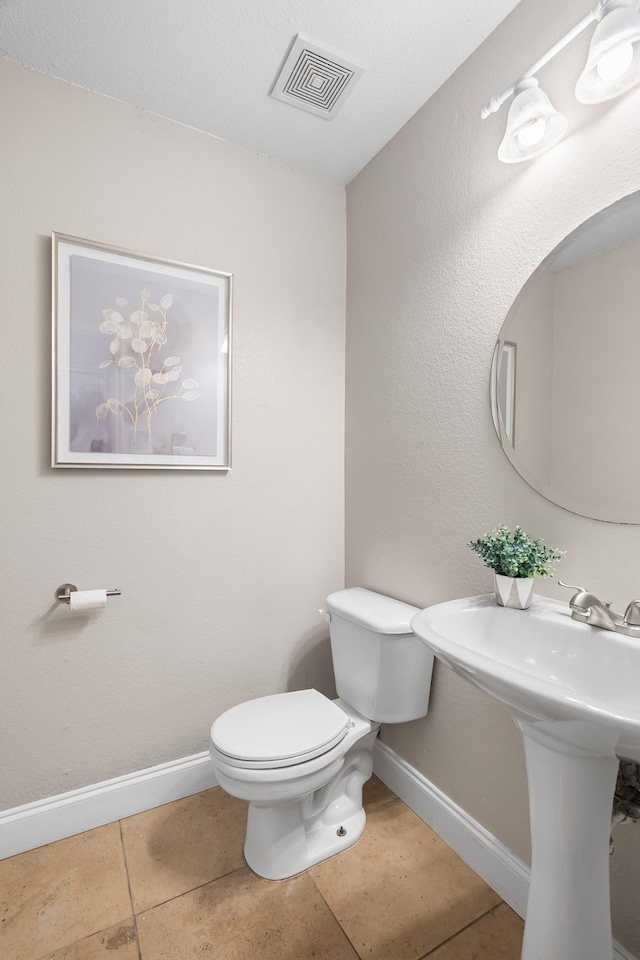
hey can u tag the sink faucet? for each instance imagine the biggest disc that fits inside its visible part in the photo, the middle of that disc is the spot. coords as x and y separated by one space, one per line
632 614
587 608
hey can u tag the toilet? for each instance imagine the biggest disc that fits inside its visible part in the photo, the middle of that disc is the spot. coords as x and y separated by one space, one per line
301 759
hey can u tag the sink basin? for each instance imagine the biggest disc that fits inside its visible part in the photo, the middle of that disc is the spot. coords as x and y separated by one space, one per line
578 682
573 691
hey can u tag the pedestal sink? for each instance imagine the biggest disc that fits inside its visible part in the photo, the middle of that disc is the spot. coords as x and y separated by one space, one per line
574 691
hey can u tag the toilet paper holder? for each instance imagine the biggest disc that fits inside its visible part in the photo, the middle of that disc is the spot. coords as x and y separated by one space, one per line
65 590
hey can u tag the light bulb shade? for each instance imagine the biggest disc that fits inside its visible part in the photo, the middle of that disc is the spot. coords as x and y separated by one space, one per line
617 31
533 124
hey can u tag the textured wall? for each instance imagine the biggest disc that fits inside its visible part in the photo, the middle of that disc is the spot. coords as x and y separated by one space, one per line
221 574
441 237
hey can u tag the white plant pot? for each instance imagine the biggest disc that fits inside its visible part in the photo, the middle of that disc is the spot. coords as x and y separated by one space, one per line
513 591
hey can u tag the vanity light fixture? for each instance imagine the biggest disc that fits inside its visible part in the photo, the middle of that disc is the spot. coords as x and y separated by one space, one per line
533 125
612 68
613 64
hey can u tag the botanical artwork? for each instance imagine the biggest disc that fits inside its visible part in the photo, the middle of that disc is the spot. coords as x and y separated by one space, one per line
136 344
147 354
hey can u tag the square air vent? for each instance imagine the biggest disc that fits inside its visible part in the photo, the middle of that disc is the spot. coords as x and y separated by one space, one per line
314 79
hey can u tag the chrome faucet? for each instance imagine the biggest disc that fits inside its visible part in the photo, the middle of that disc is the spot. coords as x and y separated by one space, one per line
632 614
587 608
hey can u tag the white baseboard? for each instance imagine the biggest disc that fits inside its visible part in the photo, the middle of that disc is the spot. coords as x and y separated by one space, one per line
55 818
489 858
34 824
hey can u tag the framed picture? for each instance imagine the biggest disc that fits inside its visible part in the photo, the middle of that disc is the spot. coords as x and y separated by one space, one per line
141 360
506 390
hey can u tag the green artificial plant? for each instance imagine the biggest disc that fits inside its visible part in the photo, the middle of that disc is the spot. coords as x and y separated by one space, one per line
516 554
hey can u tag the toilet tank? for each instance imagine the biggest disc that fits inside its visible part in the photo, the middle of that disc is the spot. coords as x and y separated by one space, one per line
381 668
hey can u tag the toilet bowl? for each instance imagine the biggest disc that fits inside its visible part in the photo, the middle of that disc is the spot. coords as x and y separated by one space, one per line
301 759
306 807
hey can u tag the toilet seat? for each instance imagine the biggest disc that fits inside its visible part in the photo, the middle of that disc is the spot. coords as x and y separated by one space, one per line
279 730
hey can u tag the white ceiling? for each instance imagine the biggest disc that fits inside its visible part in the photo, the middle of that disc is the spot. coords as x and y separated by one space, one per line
210 64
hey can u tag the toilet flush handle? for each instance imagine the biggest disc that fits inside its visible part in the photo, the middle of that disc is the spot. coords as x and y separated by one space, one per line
325 615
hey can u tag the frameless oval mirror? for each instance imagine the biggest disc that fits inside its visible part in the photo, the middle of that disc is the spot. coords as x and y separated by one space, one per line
565 381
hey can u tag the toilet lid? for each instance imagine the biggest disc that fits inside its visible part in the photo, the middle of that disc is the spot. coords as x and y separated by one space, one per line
282 729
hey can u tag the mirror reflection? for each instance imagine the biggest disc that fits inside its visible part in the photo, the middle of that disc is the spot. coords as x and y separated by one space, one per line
565 382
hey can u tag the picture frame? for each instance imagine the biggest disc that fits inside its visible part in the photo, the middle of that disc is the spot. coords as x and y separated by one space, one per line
141 360
506 390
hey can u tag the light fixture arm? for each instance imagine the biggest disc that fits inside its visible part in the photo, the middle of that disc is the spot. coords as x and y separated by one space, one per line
496 102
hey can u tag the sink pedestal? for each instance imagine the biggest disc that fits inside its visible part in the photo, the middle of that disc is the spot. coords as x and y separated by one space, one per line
573 691
570 798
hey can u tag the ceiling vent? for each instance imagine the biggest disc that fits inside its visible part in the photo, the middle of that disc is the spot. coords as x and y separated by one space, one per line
314 79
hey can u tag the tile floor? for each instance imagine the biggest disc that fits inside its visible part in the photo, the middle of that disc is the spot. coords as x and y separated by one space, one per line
171 884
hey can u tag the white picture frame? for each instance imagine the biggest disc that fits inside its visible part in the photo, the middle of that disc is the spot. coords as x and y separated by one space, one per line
141 360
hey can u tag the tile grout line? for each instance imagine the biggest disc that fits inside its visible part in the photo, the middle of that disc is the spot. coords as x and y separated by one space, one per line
308 871
467 926
133 911
74 943
199 886
343 931
95 933
429 952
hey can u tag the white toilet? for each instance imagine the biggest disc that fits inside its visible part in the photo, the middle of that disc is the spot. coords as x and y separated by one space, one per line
301 759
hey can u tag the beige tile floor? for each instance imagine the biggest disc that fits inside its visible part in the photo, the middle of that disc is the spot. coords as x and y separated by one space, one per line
171 884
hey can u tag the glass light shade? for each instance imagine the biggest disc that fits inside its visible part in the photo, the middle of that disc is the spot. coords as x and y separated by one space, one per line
613 64
533 124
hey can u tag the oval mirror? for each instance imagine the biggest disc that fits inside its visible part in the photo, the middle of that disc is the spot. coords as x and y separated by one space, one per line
565 380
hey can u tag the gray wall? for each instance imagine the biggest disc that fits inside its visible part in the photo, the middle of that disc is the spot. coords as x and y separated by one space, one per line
597 342
441 237
221 575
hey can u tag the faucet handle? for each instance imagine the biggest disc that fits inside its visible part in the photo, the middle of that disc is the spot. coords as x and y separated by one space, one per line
571 586
632 614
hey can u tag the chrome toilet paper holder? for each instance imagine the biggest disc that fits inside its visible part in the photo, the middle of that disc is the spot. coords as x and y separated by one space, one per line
65 590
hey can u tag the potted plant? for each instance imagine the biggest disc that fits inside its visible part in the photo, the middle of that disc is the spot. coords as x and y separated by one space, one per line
516 559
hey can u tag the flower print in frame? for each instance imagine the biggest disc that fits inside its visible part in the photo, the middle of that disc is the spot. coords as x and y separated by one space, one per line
141 360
